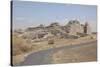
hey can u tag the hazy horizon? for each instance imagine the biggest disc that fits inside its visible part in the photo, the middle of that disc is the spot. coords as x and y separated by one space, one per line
28 14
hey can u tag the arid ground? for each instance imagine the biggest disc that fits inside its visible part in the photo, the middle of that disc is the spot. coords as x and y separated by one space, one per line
83 49
85 53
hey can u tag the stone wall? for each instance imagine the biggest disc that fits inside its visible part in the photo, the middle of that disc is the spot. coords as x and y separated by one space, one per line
74 27
87 28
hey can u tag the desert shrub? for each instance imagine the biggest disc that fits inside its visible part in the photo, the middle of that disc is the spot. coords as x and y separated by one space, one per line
41 35
51 41
19 46
74 37
91 37
81 34
16 51
54 31
71 37
94 32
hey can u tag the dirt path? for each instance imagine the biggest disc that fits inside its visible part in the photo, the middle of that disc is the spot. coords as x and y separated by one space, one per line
45 56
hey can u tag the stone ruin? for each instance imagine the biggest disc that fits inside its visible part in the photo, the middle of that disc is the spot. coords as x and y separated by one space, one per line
87 28
73 28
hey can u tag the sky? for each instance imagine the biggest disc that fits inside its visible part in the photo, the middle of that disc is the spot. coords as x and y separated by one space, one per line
31 14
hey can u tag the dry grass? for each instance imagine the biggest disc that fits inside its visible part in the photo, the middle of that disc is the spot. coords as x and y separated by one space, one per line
20 46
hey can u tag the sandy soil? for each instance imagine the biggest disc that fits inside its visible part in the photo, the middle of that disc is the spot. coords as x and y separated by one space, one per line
18 58
80 54
58 43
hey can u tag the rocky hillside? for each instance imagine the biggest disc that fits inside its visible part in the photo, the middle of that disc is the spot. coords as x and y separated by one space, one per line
72 29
